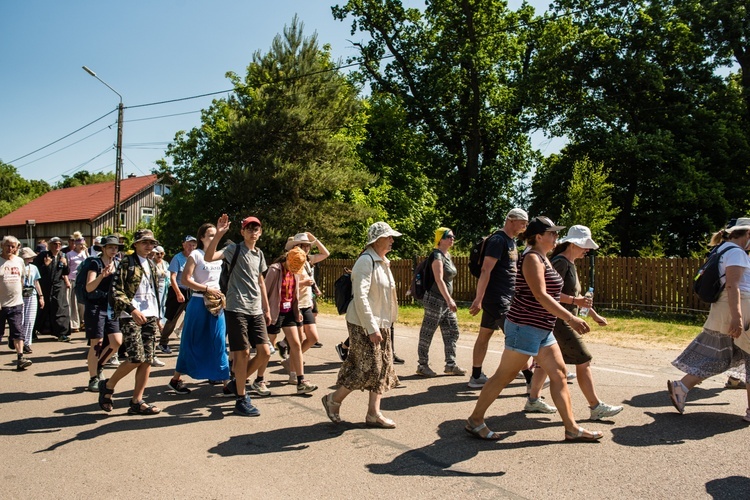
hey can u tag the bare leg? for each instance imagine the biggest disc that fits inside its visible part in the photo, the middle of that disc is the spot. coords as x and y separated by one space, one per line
296 364
141 379
91 359
311 336
586 383
241 367
480 346
691 381
537 382
263 354
373 404
510 364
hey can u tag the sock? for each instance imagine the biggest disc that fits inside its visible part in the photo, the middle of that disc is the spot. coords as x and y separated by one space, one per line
300 378
527 375
476 372
19 355
258 379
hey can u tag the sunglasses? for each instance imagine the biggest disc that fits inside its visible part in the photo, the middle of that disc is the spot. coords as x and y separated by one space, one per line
448 236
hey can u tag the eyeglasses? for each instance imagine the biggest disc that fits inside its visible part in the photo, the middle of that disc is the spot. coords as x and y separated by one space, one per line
251 229
449 237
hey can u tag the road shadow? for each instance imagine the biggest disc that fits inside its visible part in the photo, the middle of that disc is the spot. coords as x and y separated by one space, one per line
17 397
672 428
445 393
660 399
729 488
281 440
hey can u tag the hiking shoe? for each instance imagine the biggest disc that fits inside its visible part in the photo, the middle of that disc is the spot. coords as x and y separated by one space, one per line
304 387
478 383
571 376
746 418
156 362
27 349
454 369
342 351
282 349
678 394
425 371
230 389
164 349
244 407
93 384
63 338
261 388
113 361
603 410
397 360
732 383
317 344
23 363
538 406
178 387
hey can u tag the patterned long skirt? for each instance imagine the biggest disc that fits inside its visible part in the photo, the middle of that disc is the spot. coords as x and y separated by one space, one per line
711 353
368 366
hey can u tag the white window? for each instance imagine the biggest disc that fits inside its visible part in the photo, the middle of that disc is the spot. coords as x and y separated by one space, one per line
123 218
147 214
161 189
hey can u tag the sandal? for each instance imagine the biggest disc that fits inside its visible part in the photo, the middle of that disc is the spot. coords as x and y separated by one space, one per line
105 403
578 436
476 431
379 421
329 404
142 408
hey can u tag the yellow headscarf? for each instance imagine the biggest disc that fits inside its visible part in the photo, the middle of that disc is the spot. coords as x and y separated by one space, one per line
439 233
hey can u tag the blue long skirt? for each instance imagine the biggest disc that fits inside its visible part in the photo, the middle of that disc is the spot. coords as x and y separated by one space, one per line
203 353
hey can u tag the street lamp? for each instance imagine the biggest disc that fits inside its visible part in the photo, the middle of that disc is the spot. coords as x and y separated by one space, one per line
118 162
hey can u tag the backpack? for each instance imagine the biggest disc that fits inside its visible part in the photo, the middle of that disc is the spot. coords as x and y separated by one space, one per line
423 278
342 289
82 296
707 282
476 256
226 270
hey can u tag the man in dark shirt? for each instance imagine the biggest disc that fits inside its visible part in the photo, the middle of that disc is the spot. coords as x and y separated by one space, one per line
53 268
495 287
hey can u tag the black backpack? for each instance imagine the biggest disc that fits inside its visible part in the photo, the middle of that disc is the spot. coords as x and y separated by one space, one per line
82 296
423 278
476 256
707 282
226 270
342 289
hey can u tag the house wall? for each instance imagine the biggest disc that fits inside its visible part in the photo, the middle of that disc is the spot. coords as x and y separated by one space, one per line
131 207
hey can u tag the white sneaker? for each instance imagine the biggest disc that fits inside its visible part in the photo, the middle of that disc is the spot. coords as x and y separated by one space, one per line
603 410
538 406
156 362
571 376
113 361
544 386
477 383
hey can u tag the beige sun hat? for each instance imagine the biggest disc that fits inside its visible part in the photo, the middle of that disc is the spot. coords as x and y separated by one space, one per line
379 230
297 239
27 253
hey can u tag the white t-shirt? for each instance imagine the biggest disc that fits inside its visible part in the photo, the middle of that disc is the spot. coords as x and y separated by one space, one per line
11 281
735 257
206 273
145 296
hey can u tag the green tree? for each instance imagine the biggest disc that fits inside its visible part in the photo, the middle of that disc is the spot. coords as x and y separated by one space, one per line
458 69
589 201
83 177
634 87
282 147
15 191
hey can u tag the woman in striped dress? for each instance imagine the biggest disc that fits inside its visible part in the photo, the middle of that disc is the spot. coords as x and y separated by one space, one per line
528 332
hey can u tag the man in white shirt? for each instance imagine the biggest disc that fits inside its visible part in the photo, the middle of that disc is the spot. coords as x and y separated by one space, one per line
11 297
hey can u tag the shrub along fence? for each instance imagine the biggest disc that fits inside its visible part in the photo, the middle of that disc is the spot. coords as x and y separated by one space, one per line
627 283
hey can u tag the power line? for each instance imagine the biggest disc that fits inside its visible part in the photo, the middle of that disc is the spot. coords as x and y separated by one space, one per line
66 147
63 137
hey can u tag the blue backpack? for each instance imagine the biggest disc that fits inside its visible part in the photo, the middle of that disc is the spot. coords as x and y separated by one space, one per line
82 296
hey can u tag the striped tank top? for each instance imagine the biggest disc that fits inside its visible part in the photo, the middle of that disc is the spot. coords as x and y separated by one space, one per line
525 309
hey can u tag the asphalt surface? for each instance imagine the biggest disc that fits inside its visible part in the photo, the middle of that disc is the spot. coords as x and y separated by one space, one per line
57 443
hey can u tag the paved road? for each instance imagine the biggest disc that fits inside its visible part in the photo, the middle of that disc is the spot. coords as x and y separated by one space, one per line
56 443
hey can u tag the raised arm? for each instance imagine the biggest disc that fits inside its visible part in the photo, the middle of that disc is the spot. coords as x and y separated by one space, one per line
222 226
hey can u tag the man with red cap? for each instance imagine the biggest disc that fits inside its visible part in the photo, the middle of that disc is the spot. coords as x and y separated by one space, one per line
247 312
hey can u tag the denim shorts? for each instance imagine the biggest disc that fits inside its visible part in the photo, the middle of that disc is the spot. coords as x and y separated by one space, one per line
527 339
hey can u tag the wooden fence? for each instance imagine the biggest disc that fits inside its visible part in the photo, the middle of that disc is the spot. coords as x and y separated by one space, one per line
643 284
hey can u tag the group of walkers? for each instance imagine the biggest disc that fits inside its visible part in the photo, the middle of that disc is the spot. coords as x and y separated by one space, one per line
232 295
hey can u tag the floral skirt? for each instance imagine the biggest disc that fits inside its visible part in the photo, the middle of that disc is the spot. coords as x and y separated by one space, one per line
368 366
712 353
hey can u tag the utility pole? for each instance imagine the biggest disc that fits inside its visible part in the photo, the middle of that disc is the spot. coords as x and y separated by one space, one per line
118 161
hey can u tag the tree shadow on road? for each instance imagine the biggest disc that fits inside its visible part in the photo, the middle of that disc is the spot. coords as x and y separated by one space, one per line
661 399
729 488
280 440
444 393
672 428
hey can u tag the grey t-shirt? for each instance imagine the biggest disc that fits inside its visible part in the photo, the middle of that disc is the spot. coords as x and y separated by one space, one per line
449 272
243 290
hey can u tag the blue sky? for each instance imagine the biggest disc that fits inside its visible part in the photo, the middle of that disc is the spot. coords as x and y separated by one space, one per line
147 51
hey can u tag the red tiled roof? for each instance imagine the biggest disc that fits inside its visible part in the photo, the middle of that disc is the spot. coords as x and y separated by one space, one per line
85 203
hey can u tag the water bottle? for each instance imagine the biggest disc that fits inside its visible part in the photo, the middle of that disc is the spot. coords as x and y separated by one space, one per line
584 311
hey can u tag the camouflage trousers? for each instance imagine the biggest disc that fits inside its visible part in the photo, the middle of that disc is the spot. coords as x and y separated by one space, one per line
139 340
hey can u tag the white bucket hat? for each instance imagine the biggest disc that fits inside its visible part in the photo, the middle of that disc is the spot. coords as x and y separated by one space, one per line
379 230
742 223
580 236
